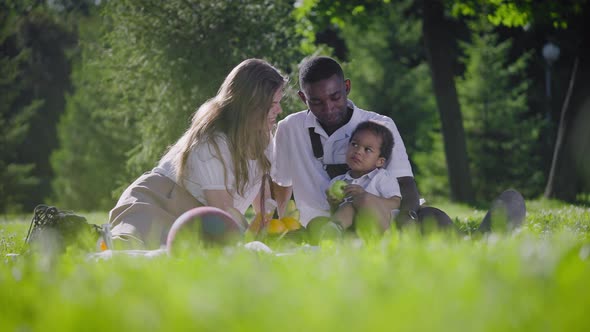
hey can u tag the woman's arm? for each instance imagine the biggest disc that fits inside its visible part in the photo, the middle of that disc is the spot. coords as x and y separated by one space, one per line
257 204
219 198
282 195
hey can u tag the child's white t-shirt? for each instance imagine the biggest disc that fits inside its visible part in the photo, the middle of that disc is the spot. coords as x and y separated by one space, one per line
378 182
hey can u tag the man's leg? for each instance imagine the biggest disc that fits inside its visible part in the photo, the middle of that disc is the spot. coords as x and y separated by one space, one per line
432 218
507 213
427 219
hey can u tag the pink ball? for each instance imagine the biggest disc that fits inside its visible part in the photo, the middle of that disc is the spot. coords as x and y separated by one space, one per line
206 224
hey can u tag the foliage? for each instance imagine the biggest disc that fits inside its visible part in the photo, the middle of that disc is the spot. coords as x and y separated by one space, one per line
385 63
390 77
519 13
92 150
15 176
35 73
431 169
502 138
532 280
165 73
155 63
142 67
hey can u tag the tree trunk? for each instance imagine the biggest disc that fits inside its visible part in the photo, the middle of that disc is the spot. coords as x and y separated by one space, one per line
440 59
570 150
559 176
569 164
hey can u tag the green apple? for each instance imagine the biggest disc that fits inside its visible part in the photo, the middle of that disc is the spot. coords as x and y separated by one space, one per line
313 228
336 190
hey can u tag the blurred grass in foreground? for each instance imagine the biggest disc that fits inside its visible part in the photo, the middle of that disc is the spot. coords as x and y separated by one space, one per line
535 279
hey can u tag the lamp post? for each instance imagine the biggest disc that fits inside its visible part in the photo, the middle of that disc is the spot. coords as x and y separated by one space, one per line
550 54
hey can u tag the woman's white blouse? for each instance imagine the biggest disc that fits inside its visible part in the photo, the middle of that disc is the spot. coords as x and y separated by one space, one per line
205 171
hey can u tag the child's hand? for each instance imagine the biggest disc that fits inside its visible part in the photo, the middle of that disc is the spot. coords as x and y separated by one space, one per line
353 190
355 193
334 202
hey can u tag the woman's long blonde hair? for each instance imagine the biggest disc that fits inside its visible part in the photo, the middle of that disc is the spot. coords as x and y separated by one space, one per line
239 110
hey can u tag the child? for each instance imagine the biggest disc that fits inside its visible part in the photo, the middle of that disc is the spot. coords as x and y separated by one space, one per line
370 186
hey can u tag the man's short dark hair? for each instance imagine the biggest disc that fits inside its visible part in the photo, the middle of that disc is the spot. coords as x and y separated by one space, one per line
318 68
381 131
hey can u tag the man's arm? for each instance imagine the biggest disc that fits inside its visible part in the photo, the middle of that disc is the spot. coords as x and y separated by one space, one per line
281 195
410 197
400 164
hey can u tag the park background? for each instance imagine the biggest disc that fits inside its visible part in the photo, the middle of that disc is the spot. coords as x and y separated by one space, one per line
94 91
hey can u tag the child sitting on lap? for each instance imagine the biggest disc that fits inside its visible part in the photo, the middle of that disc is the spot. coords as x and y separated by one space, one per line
370 186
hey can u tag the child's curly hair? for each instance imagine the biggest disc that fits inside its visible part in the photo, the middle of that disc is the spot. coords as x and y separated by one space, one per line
379 130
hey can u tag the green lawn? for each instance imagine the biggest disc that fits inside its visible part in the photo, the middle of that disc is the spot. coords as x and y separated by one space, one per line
533 280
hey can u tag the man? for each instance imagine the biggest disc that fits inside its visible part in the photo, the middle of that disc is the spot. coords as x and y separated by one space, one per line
330 119
310 149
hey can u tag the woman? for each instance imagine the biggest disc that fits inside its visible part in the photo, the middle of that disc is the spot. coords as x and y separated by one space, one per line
218 162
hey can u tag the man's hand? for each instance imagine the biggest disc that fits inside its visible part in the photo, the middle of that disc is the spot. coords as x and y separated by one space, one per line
410 203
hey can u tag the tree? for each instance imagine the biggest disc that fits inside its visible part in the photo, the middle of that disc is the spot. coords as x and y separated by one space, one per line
385 61
502 134
35 74
440 56
140 81
568 20
360 13
90 162
571 149
13 120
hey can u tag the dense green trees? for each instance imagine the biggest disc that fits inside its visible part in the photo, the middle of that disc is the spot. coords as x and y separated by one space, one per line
93 146
443 25
385 61
138 83
502 136
124 77
566 23
34 73
439 43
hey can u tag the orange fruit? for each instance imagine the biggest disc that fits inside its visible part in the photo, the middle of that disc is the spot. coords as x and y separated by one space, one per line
291 223
276 226
103 245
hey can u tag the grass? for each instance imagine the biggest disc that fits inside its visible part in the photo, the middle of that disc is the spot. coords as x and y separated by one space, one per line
532 280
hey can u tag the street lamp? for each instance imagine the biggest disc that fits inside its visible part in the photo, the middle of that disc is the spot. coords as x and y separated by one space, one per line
550 53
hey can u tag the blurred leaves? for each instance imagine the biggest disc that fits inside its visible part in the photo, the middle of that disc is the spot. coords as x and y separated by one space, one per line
141 78
132 72
493 95
389 74
520 13
33 70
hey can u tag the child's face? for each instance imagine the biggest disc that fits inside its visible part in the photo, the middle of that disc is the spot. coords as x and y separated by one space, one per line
363 153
